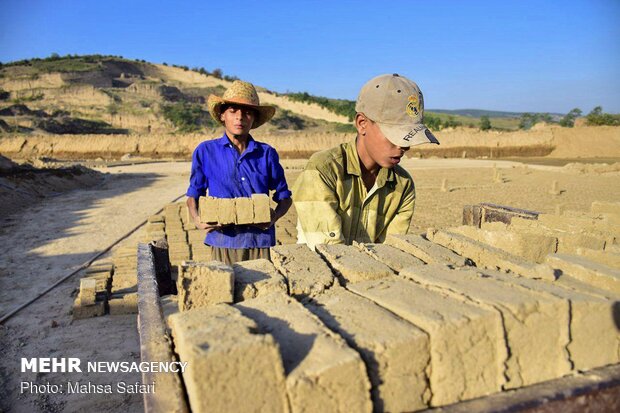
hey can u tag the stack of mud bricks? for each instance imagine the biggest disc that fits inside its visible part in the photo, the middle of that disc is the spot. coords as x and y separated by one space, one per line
416 322
92 298
176 233
124 297
237 211
154 229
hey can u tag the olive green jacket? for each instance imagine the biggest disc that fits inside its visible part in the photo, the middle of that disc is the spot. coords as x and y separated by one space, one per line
334 207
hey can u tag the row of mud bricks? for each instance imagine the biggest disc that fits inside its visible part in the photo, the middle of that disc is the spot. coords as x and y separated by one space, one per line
418 321
109 287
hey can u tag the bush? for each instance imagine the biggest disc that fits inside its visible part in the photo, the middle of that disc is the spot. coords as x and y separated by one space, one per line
485 123
187 117
432 122
598 118
568 121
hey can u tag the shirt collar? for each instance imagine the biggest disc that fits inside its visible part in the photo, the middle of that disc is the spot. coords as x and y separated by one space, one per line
225 141
352 166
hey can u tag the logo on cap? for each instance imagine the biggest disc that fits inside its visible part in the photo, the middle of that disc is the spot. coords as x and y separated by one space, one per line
413 106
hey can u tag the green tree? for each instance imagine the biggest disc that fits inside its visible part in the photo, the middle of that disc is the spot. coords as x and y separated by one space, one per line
217 73
599 118
568 121
485 123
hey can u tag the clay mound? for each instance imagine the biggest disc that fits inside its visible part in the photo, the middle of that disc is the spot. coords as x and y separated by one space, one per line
25 185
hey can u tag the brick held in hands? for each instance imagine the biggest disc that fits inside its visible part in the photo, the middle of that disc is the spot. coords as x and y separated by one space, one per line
262 209
244 211
226 211
208 209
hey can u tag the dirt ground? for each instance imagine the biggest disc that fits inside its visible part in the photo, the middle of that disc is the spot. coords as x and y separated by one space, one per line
50 239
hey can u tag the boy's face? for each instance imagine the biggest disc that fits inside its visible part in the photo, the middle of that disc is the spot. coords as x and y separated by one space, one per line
380 149
238 120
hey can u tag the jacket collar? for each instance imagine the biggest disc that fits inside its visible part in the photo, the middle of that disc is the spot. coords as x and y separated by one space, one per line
352 165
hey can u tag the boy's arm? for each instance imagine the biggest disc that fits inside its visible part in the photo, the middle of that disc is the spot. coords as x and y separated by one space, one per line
316 203
401 221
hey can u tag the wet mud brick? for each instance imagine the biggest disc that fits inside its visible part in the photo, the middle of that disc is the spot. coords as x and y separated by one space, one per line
262 209
244 211
536 325
584 270
392 257
322 373
466 341
257 277
594 340
396 353
425 250
87 311
305 272
530 247
230 365
487 256
204 284
351 264
208 209
123 304
226 211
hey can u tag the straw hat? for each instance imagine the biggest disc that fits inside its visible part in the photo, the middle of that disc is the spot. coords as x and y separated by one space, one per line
240 93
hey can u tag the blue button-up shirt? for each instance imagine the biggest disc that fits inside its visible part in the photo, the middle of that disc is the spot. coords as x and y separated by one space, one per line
218 167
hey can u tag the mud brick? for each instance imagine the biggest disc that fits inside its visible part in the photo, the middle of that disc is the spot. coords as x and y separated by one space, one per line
577 224
155 218
466 340
608 258
605 207
594 339
322 373
169 305
100 267
351 264
155 227
177 237
102 280
257 277
261 207
226 211
230 365
536 325
123 304
530 247
208 209
396 353
124 284
582 269
425 250
487 256
203 284
390 256
87 311
88 291
305 272
244 211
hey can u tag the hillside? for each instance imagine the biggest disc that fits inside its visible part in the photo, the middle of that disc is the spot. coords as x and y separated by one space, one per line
112 95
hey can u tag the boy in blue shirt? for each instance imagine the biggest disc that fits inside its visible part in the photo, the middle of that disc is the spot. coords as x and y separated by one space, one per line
236 165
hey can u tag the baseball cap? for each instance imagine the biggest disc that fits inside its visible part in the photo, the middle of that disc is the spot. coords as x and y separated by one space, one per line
396 104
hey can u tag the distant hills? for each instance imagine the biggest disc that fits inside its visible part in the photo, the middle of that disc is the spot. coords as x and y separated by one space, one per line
114 95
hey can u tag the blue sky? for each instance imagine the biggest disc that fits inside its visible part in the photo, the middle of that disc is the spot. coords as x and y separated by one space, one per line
544 56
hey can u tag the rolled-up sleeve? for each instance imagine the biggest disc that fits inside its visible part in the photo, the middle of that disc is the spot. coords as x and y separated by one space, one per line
277 180
198 182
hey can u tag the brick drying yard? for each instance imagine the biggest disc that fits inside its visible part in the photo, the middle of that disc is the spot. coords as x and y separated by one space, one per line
455 342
